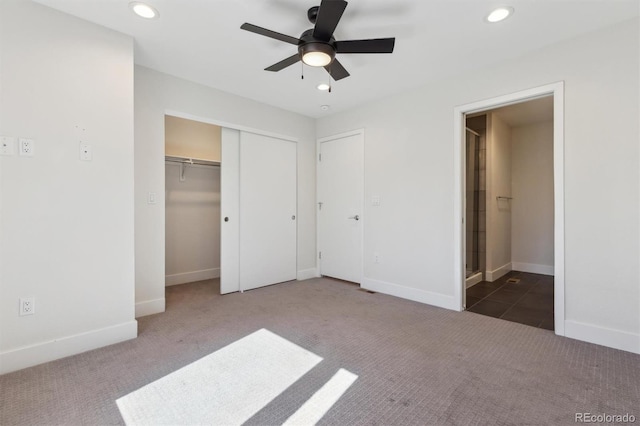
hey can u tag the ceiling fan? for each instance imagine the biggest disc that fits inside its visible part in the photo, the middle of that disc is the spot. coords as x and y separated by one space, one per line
317 47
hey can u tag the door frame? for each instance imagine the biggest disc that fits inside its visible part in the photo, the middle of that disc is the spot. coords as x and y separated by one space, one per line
228 125
557 91
319 142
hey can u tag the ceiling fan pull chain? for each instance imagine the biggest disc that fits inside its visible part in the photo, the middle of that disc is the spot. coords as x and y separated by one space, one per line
301 71
330 80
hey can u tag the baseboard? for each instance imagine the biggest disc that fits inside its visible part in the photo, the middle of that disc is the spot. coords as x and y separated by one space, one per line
28 356
422 296
603 336
306 274
473 280
150 307
532 268
497 273
189 277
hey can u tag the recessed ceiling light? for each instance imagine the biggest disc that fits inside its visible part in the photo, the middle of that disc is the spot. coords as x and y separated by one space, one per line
500 14
325 107
323 86
143 10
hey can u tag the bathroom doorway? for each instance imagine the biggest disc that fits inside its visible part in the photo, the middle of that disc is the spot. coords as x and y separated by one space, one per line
510 266
509 212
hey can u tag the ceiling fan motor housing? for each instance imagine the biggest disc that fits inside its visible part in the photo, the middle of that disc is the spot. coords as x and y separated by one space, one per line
312 14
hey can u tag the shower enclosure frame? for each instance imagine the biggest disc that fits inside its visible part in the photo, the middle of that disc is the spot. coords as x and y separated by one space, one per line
557 91
471 271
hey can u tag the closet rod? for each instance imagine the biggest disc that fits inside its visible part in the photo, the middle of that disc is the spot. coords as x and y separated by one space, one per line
191 161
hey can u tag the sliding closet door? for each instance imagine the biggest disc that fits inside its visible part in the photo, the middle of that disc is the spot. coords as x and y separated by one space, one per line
230 212
267 210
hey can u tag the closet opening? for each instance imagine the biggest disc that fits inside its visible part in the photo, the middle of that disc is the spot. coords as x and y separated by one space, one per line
192 202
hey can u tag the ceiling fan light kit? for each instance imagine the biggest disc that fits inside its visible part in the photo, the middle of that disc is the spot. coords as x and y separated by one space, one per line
317 47
316 54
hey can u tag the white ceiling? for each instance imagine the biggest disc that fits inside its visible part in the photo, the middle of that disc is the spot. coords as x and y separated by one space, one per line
525 113
201 41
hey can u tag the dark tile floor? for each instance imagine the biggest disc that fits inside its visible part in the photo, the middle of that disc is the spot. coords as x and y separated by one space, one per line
530 301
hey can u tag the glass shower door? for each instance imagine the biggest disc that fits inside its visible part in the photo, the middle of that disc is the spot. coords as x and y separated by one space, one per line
472 202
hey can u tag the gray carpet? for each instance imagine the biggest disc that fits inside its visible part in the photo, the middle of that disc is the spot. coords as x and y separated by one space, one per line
416 364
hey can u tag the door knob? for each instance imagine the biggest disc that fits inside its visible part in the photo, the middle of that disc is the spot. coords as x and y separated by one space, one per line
226 219
356 217
293 217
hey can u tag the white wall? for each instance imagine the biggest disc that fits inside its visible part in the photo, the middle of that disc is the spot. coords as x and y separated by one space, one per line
532 190
192 230
498 185
66 225
409 162
157 93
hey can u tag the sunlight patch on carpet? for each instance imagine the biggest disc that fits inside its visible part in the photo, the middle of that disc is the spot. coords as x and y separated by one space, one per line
226 387
317 406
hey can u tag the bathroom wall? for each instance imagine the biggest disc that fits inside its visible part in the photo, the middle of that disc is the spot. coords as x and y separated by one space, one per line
498 209
532 188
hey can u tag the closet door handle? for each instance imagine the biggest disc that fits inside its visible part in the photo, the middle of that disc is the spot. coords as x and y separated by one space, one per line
293 217
226 219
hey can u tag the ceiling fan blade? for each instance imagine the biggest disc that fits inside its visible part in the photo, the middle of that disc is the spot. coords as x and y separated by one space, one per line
284 63
336 70
268 33
374 45
329 15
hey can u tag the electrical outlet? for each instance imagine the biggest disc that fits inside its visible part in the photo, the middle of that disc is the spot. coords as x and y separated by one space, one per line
376 258
7 145
27 147
27 306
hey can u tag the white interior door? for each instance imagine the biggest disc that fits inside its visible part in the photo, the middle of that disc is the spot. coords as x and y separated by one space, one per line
230 211
340 198
267 210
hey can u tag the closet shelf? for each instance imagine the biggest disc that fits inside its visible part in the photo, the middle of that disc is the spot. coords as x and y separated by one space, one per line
191 161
